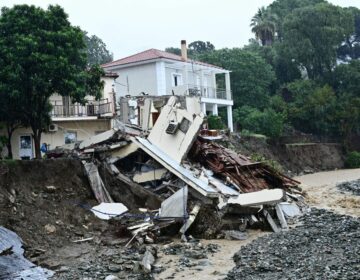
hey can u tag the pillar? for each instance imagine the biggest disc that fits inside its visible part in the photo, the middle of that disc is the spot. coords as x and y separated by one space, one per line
227 86
215 109
203 108
229 117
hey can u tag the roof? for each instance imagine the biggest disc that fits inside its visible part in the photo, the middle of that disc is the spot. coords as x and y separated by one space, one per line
152 54
111 75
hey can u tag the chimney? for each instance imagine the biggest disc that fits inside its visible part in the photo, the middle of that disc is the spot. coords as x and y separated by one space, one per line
183 50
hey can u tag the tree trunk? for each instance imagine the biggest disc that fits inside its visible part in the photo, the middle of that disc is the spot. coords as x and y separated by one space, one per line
10 131
37 140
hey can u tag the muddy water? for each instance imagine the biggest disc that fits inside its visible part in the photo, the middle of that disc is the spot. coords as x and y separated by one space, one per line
220 262
322 192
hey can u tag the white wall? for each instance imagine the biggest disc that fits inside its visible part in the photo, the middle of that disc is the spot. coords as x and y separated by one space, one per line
141 78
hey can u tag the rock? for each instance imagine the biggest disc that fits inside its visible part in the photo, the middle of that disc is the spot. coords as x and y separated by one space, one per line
321 247
50 229
147 261
112 277
50 189
114 268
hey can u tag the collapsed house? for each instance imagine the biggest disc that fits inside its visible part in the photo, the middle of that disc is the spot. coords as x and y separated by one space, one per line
173 178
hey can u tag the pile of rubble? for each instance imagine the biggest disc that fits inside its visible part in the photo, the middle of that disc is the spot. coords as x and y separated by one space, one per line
325 246
352 187
171 179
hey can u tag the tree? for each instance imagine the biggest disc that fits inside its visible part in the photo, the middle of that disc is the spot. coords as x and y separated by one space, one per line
251 76
312 107
200 47
313 34
263 25
41 54
283 8
96 50
350 48
176 51
10 116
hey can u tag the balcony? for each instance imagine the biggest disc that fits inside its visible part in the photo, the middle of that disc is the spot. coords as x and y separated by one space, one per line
93 109
207 92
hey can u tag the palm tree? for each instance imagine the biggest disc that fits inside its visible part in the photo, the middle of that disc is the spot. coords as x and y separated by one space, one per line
263 25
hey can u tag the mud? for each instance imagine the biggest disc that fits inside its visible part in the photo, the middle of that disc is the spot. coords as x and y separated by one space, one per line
292 158
322 192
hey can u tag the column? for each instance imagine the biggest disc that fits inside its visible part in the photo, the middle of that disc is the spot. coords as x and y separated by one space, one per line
203 108
160 78
215 109
229 117
227 86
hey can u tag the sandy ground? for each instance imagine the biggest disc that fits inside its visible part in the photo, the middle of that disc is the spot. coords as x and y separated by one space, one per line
322 192
220 263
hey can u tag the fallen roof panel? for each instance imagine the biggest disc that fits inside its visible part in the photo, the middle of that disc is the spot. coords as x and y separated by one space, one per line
175 168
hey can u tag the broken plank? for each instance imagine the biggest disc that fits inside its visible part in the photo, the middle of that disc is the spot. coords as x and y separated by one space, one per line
258 198
150 175
271 221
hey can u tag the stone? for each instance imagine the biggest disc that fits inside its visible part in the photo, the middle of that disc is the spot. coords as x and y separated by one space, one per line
50 229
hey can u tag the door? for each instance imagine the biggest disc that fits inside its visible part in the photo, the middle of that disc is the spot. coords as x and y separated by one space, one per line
25 149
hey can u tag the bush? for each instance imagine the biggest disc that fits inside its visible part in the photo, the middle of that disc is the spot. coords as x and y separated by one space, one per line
215 122
353 160
267 122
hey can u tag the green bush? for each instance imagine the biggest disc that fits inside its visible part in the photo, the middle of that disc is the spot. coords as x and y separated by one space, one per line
215 122
266 122
353 160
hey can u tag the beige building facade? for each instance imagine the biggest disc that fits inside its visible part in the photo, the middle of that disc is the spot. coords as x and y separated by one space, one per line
70 122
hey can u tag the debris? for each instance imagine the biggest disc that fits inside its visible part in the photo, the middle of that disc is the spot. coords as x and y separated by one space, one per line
175 205
264 197
50 229
106 211
147 261
290 209
83 240
235 234
96 183
191 219
12 261
281 217
271 222
50 189
151 175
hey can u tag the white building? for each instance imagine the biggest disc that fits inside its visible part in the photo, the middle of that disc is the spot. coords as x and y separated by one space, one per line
155 72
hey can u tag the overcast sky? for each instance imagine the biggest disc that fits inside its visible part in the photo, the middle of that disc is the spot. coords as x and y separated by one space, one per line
131 26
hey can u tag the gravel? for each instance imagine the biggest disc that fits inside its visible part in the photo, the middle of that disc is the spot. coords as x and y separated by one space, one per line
324 246
352 186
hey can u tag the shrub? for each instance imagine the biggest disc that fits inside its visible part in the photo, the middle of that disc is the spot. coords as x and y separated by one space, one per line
215 122
353 160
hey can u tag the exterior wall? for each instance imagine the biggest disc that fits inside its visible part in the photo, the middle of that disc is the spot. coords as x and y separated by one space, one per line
141 78
193 78
83 129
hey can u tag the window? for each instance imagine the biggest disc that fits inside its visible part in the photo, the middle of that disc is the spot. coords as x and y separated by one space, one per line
176 79
70 137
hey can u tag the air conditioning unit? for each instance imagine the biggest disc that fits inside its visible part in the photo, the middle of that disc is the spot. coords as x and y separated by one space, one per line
172 127
53 127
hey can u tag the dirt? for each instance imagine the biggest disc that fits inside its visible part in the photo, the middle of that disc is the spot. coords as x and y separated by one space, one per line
292 158
41 201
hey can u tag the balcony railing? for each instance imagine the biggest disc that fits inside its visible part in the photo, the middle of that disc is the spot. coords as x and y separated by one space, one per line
96 108
208 92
